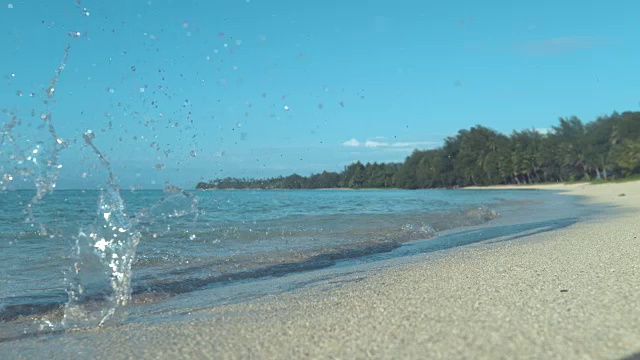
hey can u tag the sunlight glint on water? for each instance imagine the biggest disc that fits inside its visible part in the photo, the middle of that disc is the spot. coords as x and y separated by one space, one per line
106 251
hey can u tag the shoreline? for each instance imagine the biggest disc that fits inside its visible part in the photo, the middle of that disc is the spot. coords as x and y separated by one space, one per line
614 194
545 186
568 293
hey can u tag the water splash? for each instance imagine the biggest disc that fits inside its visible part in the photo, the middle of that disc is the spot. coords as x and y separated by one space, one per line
8 139
100 287
48 167
101 283
38 162
480 214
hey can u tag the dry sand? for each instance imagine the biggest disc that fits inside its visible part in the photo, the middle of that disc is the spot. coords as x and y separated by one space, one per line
571 294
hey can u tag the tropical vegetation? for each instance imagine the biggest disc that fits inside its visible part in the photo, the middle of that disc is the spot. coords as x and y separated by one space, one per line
605 149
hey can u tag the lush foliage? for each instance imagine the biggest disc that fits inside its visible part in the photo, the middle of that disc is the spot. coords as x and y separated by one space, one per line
607 148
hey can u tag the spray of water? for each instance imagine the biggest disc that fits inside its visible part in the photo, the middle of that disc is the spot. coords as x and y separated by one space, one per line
105 251
39 162
99 283
100 287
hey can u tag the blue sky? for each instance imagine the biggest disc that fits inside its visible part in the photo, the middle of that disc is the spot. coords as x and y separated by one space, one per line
182 91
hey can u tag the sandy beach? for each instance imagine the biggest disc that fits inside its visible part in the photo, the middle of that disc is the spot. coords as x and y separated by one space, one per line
566 294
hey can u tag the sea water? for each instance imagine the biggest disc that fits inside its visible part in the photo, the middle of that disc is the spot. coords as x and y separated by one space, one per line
201 245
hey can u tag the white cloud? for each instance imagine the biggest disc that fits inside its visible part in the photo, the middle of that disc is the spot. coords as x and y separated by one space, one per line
387 146
351 143
415 144
373 144
543 131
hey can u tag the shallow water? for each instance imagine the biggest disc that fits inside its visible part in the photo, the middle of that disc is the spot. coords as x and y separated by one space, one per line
228 246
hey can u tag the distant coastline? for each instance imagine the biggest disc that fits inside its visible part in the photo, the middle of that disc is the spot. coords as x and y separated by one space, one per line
602 150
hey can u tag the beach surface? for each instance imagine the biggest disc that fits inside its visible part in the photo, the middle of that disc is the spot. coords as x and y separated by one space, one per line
572 293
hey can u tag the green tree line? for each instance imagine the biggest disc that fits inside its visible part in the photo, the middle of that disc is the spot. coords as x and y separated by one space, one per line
604 149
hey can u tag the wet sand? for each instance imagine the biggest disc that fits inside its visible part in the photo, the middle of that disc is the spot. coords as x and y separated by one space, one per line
570 293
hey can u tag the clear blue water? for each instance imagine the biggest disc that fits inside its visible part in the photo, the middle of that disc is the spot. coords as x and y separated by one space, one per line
206 242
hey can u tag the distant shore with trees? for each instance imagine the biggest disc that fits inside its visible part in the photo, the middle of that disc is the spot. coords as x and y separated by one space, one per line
605 149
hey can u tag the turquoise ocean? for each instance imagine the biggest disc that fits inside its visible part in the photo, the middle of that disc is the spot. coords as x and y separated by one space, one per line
84 258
